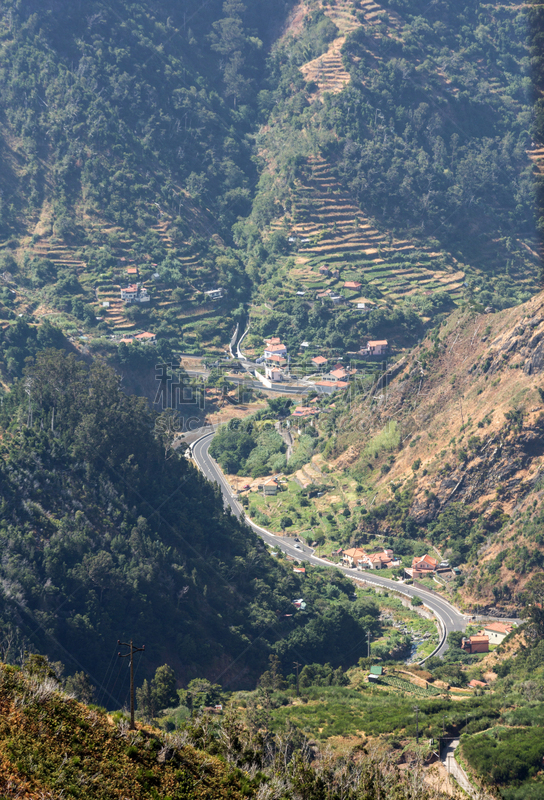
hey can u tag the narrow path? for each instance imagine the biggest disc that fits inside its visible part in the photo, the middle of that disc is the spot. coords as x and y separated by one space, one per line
447 756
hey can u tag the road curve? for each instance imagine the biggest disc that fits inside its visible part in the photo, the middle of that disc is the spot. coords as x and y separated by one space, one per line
449 617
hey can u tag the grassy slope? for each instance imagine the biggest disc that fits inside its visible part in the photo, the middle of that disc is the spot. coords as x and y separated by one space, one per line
52 746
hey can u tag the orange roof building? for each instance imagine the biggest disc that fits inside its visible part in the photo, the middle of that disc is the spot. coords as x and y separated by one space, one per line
352 556
497 631
476 644
304 411
425 563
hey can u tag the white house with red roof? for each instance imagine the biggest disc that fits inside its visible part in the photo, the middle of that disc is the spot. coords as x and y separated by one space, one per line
319 361
380 560
497 631
339 374
352 556
275 350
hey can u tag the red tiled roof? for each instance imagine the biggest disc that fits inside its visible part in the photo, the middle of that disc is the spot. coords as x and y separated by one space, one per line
378 342
336 384
319 360
276 348
427 560
145 335
304 411
355 552
499 627
352 285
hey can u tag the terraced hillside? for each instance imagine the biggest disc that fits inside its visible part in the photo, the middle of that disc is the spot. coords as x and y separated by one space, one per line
174 269
353 190
333 231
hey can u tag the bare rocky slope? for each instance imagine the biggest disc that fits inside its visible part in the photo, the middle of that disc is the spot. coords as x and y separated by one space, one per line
467 411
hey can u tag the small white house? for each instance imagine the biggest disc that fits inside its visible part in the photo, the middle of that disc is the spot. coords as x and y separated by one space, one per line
497 631
134 293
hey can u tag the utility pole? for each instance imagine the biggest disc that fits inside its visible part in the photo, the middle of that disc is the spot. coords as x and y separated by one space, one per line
297 665
130 655
416 709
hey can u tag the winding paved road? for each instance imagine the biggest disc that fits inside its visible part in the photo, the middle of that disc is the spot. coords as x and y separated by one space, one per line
449 616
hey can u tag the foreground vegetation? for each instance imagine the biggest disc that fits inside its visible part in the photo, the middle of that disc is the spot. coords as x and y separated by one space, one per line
52 746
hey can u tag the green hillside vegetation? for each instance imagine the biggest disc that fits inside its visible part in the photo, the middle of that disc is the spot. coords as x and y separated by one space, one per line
500 726
433 137
53 746
108 533
193 144
126 144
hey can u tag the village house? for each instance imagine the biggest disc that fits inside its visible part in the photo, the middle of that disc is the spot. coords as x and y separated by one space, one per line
278 361
269 487
304 411
275 350
352 556
379 347
132 272
274 373
319 361
497 631
146 337
334 297
214 294
329 387
424 565
385 559
338 374
323 270
475 644
134 293
352 285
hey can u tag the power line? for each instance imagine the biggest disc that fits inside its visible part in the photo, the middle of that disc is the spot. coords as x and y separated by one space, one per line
130 655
